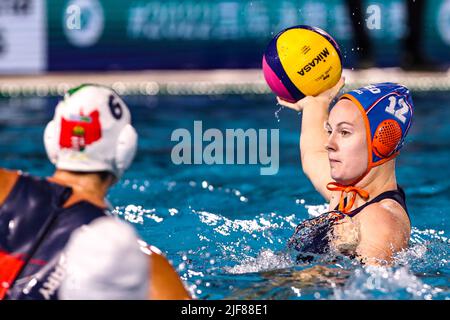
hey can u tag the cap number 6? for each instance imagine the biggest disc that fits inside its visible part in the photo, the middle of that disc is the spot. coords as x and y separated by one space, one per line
115 107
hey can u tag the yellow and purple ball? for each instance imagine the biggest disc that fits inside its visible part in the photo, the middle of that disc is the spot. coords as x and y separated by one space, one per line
301 61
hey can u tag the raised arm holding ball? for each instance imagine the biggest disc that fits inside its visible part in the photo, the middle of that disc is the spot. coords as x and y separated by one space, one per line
348 154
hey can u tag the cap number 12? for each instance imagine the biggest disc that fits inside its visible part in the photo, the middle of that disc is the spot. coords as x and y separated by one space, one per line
400 113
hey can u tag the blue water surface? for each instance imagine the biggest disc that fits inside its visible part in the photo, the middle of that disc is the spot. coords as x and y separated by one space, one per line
225 227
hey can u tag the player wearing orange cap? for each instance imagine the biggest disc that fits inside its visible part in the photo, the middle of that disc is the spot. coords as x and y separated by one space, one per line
351 162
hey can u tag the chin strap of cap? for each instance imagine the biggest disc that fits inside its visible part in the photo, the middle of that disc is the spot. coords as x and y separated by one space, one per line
334 186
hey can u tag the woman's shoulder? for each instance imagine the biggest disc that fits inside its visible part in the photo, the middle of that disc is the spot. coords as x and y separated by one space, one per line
387 210
386 218
384 230
8 179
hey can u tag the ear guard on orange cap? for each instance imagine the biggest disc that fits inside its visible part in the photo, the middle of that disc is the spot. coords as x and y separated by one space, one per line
387 110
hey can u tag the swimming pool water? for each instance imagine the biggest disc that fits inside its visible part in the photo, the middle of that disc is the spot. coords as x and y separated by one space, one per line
225 227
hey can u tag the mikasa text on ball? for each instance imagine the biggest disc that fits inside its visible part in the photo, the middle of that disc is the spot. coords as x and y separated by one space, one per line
301 61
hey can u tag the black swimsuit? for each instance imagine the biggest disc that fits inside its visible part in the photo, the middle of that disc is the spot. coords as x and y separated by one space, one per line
312 236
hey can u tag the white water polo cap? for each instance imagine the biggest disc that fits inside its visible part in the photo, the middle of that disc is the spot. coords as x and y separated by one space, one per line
91 131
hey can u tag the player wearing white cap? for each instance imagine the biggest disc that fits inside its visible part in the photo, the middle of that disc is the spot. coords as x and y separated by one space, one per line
91 142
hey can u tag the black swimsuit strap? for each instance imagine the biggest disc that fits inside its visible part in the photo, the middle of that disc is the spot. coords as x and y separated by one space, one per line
396 195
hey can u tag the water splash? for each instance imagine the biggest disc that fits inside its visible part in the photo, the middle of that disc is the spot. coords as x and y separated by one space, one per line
385 283
276 113
221 253
135 214
317 210
264 261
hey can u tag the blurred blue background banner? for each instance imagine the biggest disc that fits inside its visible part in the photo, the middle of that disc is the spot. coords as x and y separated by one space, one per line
203 34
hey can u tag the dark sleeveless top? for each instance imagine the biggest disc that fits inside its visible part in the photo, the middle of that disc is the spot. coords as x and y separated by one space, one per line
34 229
312 236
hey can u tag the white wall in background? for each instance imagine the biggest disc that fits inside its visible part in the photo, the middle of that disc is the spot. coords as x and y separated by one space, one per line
22 36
